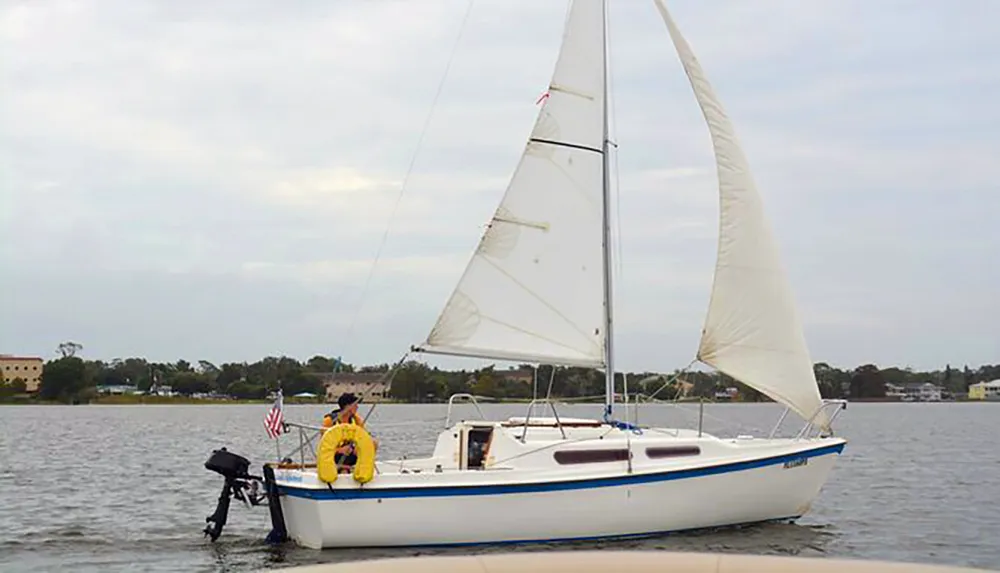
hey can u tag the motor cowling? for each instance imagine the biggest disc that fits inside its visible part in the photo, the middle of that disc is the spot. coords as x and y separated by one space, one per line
228 464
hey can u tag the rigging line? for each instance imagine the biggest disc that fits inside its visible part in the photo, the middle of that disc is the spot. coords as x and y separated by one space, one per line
614 122
618 216
724 422
552 379
534 386
409 171
391 375
671 380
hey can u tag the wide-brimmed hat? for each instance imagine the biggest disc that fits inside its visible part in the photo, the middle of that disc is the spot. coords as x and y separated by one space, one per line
346 399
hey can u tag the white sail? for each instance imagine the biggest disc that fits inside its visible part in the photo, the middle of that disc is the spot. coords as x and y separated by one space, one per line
533 290
752 329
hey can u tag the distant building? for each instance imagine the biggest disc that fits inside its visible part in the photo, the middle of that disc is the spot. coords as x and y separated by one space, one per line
684 388
894 391
117 389
729 393
162 390
27 368
985 390
367 385
923 392
653 386
522 375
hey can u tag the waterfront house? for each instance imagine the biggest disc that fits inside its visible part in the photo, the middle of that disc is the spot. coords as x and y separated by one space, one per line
118 389
895 391
729 393
367 385
522 375
985 390
923 392
26 368
161 390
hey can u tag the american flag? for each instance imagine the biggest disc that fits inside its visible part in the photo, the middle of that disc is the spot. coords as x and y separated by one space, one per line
275 419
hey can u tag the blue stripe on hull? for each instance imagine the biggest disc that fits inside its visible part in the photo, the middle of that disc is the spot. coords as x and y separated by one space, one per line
615 537
451 491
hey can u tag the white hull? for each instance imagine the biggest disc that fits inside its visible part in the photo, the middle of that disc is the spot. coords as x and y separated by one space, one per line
756 483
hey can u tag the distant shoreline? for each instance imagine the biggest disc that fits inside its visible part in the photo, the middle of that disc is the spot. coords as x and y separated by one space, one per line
188 401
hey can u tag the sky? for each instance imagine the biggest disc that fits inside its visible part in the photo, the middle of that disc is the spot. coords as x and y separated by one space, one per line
213 180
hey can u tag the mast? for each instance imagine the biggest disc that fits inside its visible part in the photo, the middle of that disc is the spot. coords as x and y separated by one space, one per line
609 368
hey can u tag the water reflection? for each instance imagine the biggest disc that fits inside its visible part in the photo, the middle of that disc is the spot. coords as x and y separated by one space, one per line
124 488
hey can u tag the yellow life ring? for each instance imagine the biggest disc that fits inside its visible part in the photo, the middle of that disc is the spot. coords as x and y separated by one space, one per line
364 448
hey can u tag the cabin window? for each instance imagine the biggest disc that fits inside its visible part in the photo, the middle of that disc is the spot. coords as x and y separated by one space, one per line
672 451
590 456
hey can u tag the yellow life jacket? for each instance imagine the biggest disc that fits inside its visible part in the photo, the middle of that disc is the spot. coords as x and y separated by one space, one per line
329 421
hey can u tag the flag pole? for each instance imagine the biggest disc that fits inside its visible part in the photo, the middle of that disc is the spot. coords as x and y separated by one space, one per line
281 408
277 440
277 449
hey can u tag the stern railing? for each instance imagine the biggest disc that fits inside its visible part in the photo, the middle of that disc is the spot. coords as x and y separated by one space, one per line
306 434
555 414
469 397
810 424
840 405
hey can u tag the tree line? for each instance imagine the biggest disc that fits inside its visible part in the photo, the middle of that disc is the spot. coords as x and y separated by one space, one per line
72 379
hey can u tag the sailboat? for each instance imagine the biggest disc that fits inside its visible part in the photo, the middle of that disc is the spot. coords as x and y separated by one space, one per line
538 289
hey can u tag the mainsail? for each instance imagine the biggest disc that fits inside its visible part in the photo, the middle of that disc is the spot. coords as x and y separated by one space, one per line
752 330
533 290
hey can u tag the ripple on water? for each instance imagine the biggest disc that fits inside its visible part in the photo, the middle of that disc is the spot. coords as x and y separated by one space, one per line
128 490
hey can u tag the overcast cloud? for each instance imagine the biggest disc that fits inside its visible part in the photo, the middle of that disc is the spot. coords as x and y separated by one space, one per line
212 180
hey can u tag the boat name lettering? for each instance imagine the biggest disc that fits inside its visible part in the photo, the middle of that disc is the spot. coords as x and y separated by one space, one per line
795 463
288 476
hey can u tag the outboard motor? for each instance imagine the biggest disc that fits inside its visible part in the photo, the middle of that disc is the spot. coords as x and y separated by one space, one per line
239 484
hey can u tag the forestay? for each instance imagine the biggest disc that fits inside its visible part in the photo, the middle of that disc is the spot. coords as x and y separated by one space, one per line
752 330
533 290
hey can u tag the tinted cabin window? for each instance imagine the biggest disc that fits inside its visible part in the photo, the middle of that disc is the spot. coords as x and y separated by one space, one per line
672 451
590 456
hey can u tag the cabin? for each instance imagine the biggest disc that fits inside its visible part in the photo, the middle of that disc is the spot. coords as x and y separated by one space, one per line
543 443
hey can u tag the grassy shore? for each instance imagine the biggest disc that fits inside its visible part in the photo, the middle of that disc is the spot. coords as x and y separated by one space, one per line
127 400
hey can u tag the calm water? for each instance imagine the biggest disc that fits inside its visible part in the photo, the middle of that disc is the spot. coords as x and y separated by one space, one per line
119 488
